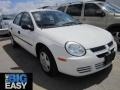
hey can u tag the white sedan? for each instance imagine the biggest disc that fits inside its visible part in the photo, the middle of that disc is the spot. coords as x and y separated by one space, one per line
62 44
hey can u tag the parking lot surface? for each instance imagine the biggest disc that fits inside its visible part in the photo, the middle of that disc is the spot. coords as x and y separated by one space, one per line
19 60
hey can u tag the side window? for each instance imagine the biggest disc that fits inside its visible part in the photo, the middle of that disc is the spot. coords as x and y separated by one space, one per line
75 10
62 8
26 19
17 19
91 9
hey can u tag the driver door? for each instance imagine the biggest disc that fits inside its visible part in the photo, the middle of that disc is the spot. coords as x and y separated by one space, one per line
94 15
27 36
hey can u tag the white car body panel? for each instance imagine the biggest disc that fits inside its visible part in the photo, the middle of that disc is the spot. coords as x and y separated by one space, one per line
80 33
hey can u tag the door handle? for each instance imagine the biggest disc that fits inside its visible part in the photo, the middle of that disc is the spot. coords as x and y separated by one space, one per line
18 32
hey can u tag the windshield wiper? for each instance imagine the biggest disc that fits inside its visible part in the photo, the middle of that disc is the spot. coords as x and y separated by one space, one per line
48 26
70 23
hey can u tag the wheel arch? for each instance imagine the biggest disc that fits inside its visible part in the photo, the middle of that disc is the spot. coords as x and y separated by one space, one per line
39 46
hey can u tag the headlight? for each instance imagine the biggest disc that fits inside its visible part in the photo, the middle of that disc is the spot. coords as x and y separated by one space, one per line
75 49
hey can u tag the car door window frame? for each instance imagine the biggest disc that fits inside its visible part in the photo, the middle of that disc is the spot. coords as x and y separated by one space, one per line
86 14
75 14
31 22
19 19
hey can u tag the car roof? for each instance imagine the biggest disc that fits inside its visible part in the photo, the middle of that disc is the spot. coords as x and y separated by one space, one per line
89 1
36 10
81 1
96 2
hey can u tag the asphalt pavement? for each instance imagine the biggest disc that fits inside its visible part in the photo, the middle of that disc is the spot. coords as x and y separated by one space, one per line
19 60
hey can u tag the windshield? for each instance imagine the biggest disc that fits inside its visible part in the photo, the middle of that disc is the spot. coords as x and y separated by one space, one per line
50 19
111 8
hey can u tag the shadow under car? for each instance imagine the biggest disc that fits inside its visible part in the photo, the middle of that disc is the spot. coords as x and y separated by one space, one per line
28 63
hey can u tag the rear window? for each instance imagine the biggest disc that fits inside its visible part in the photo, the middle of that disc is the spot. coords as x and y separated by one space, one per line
75 10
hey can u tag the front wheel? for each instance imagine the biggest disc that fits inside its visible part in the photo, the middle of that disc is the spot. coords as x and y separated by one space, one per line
47 62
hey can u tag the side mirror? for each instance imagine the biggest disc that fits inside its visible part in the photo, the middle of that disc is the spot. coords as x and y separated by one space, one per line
27 27
100 13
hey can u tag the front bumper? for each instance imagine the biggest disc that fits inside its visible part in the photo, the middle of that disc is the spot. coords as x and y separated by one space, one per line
85 65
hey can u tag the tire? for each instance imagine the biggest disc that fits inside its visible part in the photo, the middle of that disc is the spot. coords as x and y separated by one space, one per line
115 31
13 43
116 36
47 62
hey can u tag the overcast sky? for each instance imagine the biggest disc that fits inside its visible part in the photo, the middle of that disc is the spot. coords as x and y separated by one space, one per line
11 6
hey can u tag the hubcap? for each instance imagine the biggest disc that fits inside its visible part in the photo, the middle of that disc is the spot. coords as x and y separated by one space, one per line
45 62
117 37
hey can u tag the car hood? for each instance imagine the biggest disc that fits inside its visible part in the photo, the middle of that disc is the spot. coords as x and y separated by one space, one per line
87 35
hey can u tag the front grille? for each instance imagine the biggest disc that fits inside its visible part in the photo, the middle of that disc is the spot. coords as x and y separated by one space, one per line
96 49
99 65
112 50
102 55
103 50
84 69
110 44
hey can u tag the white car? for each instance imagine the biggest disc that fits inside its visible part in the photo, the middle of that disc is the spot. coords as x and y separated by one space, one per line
63 44
6 20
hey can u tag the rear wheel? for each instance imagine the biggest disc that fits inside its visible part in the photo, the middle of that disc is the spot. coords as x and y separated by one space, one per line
47 62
